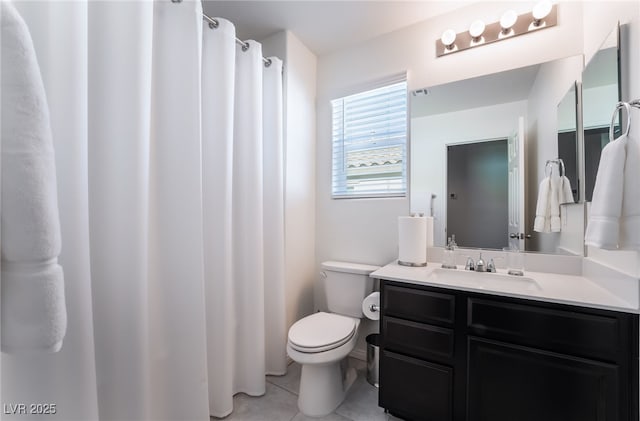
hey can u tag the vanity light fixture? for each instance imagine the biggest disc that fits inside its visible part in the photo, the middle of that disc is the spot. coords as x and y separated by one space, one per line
544 15
448 39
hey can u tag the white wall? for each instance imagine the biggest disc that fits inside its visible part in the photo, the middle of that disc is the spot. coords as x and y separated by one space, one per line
300 170
431 134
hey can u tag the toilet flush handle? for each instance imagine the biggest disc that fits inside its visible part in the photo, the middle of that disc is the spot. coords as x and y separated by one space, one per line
323 274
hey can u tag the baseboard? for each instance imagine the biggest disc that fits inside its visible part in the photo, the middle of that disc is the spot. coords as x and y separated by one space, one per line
359 354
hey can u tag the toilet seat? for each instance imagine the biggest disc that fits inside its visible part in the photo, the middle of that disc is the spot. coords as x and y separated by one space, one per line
321 332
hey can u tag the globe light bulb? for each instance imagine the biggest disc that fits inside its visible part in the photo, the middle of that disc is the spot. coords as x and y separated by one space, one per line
448 38
476 29
541 11
508 19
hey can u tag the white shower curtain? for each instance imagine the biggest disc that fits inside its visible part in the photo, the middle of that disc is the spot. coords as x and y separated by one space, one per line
244 237
170 180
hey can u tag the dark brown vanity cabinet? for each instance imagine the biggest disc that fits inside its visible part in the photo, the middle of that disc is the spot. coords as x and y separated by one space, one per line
449 355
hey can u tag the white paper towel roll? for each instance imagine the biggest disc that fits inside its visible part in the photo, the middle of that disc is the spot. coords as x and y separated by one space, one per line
371 306
412 240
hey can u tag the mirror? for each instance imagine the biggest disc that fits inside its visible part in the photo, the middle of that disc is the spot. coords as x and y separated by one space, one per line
500 126
568 139
600 93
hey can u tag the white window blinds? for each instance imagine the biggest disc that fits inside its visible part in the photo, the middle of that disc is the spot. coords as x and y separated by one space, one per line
370 142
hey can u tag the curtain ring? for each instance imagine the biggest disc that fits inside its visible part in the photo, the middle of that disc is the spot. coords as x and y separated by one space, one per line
619 106
245 46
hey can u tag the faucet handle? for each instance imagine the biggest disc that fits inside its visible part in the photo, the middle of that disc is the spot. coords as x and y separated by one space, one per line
480 265
470 265
491 266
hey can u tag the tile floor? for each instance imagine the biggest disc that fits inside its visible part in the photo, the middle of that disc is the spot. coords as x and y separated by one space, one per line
280 401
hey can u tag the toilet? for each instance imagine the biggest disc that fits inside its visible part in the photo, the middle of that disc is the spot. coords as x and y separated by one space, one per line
322 341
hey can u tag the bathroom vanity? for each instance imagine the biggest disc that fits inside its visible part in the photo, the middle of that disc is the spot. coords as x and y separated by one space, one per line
464 351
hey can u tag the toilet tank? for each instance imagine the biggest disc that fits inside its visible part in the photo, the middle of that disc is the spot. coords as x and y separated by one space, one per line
346 285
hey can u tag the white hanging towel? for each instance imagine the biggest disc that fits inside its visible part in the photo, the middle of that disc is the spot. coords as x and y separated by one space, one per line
630 219
566 194
551 193
33 307
554 203
614 220
542 222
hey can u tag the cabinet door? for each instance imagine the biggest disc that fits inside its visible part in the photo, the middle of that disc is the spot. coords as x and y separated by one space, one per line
510 382
415 389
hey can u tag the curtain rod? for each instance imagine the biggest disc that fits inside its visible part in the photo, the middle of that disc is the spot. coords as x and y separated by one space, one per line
213 24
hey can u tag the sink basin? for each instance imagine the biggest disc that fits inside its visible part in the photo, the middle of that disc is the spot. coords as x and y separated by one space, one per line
485 280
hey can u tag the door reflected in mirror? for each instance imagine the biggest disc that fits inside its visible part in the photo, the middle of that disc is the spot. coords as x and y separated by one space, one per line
478 184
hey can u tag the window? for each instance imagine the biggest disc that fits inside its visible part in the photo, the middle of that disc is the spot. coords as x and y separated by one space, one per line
370 142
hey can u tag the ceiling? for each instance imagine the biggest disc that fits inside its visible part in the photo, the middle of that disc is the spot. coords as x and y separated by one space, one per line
497 88
326 26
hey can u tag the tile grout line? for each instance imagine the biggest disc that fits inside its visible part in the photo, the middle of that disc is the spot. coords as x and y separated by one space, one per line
285 389
298 413
290 392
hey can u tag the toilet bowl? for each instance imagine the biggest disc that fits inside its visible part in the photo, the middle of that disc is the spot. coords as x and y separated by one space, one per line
321 342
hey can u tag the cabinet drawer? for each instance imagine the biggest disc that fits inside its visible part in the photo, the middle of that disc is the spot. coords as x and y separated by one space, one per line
588 335
418 305
417 339
415 389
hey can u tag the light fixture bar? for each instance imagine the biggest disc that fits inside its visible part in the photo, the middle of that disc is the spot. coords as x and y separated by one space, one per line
525 24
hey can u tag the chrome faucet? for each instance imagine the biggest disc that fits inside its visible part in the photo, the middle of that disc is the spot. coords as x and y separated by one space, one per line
479 265
470 264
491 266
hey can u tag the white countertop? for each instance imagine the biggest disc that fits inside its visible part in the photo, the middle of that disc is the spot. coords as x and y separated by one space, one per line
551 287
